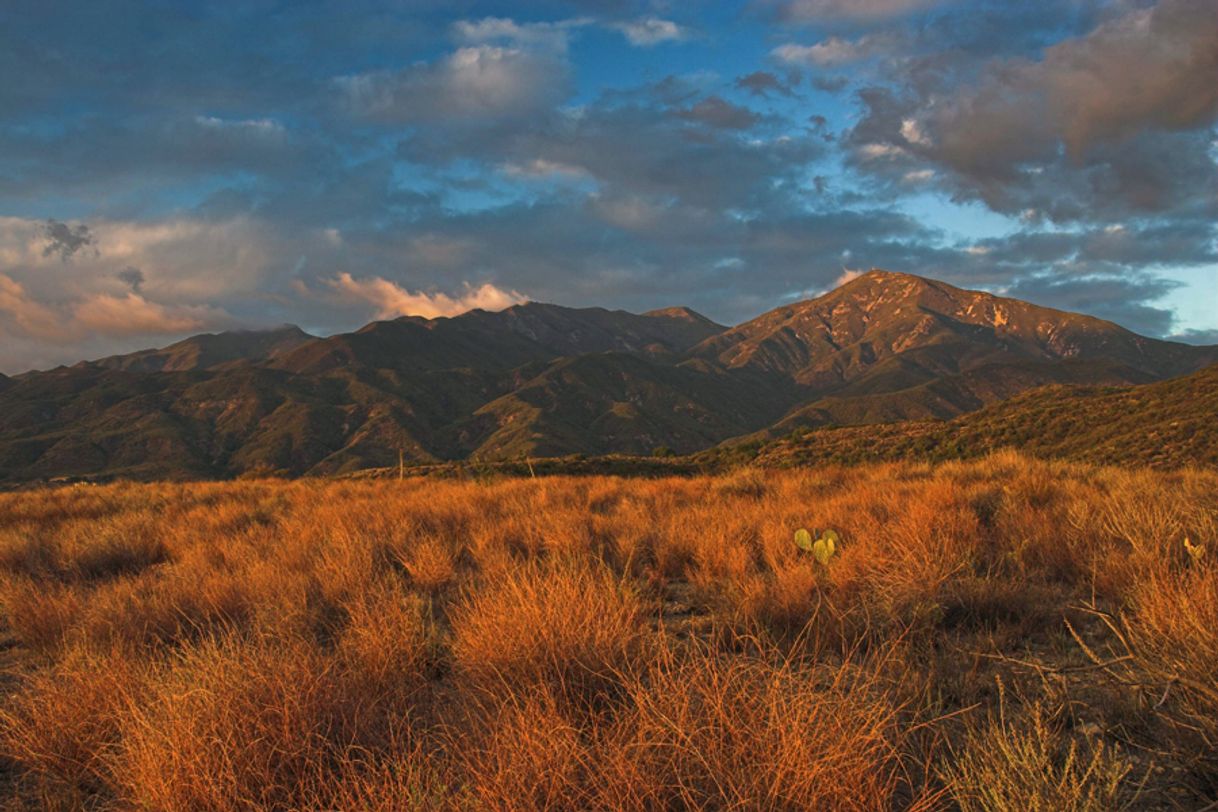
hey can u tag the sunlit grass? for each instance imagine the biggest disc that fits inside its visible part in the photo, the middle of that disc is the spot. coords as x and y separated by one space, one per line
587 643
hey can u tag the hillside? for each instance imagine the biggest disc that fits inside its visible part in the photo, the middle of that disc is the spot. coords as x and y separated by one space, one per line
545 380
1165 425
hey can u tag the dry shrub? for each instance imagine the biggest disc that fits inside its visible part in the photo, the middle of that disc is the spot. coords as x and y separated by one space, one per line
1032 767
115 546
749 483
63 725
593 642
40 613
1172 630
526 753
388 644
234 724
406 779
571 625
708 730
430 563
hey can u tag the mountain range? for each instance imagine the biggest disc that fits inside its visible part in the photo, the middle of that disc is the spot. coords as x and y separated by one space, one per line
545 380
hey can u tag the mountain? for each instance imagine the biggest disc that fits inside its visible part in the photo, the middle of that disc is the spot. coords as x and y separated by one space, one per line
211 350
506 339
888 346
540 379
1169 424
883 329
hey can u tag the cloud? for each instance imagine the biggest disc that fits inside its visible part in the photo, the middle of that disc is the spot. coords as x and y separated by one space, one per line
98 315
473 82
1121 297
832 52
505 31
131 276
848 275
132 315
257 127
763 83
28 317
1201 337
851 10
648 31
64 241
716 112
1107 125
1152 67
541 168
389 300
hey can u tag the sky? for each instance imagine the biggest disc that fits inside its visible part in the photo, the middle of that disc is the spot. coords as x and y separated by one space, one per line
174 168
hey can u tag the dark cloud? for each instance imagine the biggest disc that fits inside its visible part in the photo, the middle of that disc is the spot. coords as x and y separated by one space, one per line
64 240
763 83
716 112
639 145
1201 337
829 84
1108 125
131 277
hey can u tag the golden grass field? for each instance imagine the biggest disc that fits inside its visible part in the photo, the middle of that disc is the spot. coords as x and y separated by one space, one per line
1006 634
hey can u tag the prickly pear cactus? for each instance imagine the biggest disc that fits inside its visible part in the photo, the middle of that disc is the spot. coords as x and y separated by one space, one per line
825 546
822 549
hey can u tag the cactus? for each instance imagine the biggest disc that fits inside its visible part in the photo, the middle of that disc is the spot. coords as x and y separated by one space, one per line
1195 551
822 549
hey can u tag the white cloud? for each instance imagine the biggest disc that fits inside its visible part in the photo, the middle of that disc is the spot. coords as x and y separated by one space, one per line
475 81
390 300
505 31
265 127
875 152
647 31
912 132
825 54
543 168
847 275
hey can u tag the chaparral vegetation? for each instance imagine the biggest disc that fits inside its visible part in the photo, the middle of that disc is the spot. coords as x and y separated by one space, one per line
1005 633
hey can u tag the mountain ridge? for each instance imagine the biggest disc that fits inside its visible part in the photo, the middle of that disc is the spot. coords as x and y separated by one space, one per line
541 379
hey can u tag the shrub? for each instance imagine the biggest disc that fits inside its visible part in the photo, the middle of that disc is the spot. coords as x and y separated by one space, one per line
569 625
1030 766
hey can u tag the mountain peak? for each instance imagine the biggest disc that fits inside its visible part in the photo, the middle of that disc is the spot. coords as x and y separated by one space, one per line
918 328
680 314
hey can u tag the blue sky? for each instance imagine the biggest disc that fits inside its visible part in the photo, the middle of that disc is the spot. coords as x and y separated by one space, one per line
172 168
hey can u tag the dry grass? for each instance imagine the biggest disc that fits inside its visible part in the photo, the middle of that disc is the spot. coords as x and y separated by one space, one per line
586 643
1035 768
